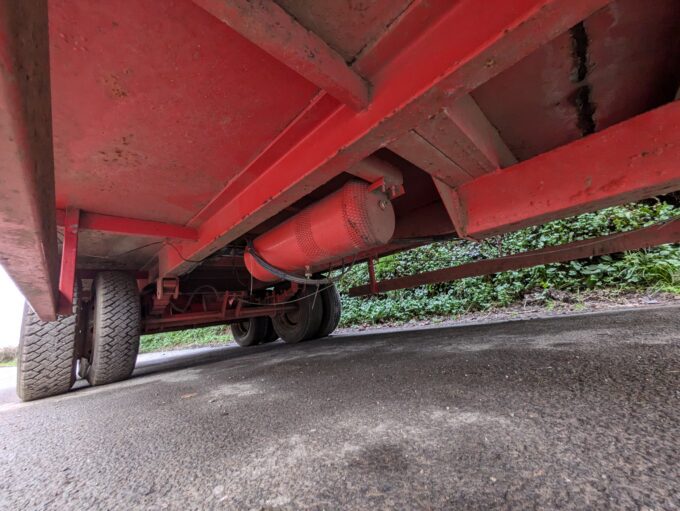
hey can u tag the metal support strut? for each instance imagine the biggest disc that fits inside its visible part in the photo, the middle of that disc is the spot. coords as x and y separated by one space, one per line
667 232
69 254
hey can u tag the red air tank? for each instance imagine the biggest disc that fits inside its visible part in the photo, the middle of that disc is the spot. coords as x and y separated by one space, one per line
348 221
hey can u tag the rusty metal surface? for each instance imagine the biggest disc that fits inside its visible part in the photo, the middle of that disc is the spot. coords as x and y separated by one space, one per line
530 103
631 240
112 251
619 62
193 319
633 52
28 243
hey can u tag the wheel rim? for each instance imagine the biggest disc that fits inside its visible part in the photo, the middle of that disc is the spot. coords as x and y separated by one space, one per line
292 318
243 327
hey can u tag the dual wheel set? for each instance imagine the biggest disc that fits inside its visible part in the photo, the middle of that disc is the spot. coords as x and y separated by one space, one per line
317 315
100 340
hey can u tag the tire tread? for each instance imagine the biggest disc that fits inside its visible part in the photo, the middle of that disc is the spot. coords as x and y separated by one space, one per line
46 356
117 328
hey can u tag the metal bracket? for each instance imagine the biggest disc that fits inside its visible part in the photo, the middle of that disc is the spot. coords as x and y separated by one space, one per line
69 254
167 286
166 289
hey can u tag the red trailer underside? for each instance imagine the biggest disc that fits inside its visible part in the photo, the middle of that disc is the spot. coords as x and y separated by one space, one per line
181 126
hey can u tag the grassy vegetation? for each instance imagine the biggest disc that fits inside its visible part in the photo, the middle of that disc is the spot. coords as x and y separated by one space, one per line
208 336
657 268
8 356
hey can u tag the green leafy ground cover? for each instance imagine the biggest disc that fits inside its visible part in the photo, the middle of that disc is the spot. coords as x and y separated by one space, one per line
657 268
8 356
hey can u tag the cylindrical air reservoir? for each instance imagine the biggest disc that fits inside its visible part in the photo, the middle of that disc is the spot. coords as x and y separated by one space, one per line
344 223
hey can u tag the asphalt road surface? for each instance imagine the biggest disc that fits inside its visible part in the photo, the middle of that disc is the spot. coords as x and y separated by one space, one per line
578 412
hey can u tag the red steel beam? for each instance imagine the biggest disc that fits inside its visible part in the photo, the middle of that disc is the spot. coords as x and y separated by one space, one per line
211 318
69 255
451 202
464 47
470 146
268 26
479 139
456 145
631 240
414 148
132 226
28 234
633 160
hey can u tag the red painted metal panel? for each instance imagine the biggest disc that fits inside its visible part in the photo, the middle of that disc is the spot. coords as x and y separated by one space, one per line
311 117
268 26
411 24
451 201
414 148
622 61
157 105
444 134
480 134
108 250
69 255
632 240
633 160
429 220
348 26
132 226
531 104
633 53
28 235
466 46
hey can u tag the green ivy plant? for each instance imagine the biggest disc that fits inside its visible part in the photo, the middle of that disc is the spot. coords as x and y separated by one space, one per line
657 268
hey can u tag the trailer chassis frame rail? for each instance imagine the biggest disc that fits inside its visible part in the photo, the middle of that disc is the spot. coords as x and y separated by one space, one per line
667 232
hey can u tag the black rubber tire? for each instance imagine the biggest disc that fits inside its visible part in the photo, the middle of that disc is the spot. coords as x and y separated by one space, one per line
332 310
117 323
249 332
271 334
46 359
302 324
